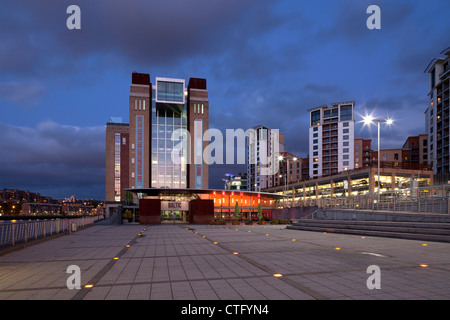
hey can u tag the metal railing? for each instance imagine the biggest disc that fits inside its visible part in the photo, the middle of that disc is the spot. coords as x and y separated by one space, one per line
394 204
13 232
409 204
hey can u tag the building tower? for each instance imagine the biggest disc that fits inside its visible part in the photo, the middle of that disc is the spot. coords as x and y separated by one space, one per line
143 153
264 147
117 159
331 139
140 120
197 124
437 116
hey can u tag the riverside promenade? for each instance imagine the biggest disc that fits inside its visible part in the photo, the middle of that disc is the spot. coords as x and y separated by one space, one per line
207 262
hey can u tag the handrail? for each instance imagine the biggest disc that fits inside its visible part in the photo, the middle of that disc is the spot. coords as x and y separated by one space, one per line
17 231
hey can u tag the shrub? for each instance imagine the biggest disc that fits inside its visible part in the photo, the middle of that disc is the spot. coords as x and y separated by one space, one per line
218 221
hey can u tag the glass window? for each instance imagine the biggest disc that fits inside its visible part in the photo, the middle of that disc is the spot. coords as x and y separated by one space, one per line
315 118
335 112
345 137
346 112
170 91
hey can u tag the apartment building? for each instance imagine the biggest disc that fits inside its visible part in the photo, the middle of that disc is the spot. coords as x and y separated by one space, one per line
331 139
437 116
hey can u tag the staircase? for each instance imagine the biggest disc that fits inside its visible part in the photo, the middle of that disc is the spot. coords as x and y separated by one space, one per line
425 231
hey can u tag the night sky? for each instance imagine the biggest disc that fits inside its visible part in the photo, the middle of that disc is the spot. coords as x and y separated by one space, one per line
266 62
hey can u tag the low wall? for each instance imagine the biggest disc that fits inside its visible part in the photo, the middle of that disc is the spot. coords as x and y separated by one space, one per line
294 213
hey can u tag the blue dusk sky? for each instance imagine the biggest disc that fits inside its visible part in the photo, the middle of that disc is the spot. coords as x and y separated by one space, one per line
266 62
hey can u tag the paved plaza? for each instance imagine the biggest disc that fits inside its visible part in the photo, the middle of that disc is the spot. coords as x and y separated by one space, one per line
206 262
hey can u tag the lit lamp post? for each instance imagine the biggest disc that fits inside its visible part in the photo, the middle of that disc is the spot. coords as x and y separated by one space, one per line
281 158
368 120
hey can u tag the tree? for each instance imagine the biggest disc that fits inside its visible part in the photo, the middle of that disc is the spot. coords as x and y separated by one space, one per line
128 198
236 211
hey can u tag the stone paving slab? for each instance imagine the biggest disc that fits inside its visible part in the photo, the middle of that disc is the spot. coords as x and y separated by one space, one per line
205 262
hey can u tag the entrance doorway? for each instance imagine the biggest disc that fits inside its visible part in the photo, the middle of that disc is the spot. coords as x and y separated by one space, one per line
174 216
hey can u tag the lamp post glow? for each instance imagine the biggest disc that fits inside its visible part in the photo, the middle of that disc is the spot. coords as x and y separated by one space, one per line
368 120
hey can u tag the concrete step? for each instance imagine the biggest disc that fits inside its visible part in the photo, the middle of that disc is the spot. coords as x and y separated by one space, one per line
406 230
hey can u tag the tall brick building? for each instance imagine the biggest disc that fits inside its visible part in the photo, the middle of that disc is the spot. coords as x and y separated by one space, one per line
144 152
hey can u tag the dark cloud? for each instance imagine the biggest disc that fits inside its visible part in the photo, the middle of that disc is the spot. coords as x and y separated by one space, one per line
53 157
22 94
141 33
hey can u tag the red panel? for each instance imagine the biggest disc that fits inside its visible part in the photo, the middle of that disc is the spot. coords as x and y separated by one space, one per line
201 211
149 211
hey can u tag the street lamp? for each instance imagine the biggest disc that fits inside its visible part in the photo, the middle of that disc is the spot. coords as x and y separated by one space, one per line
281 158
368 120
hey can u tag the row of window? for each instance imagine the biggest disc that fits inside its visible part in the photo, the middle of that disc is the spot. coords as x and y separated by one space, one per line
198 108
332 115
139 105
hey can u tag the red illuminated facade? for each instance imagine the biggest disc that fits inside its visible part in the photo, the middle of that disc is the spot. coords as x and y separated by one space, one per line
202 206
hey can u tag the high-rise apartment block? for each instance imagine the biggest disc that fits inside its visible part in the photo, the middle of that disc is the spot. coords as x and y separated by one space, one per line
437 117
331 139
162 145
264 147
